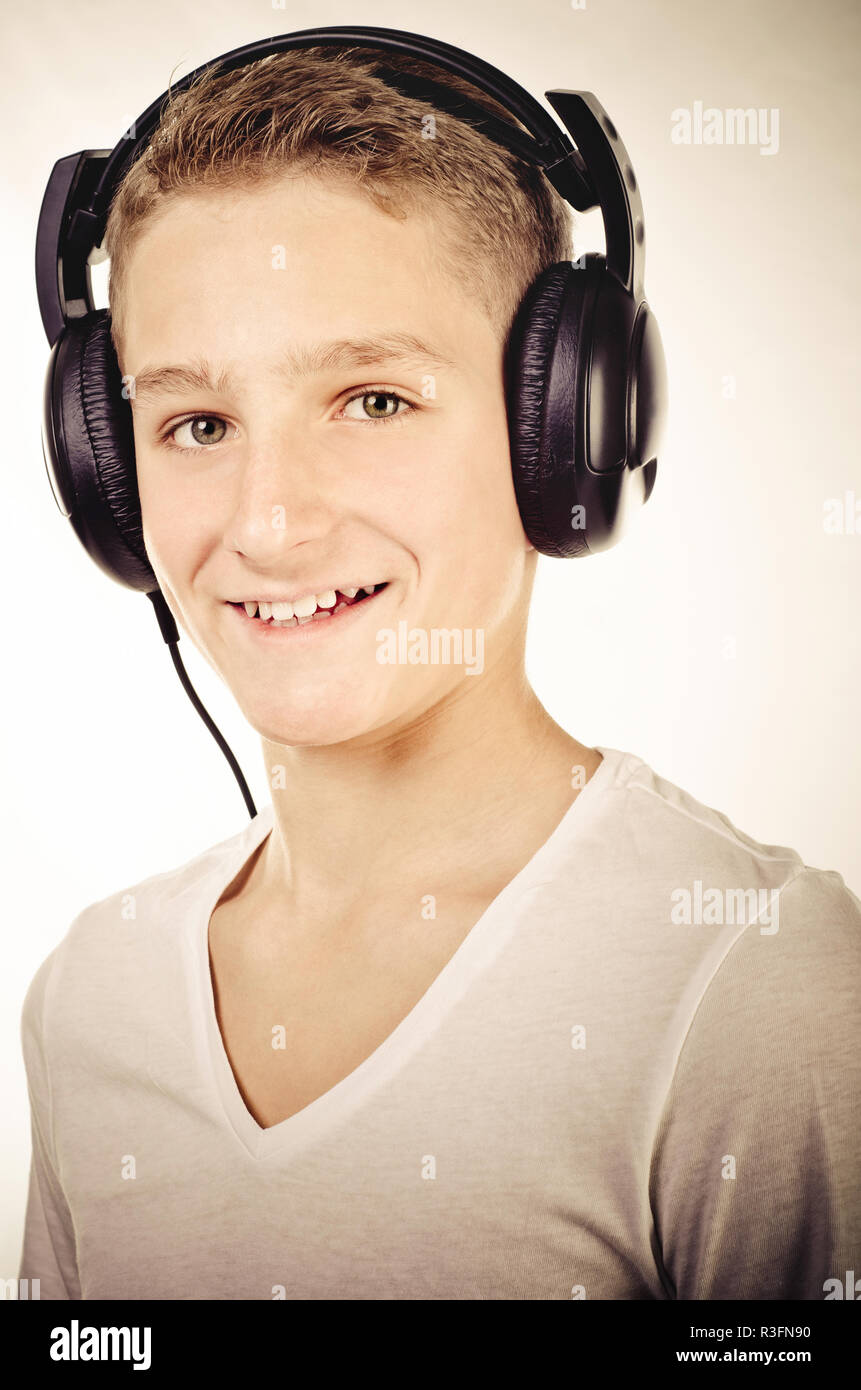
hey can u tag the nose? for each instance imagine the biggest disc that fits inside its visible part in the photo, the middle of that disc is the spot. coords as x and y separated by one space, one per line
282 496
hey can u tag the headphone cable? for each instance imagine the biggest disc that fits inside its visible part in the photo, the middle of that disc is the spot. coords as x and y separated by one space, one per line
171 636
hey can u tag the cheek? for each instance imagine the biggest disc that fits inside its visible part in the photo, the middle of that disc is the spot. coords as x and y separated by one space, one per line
472 504
484 478
172 526
471 547
464 478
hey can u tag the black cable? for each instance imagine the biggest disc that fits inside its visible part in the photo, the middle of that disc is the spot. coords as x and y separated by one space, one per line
170 634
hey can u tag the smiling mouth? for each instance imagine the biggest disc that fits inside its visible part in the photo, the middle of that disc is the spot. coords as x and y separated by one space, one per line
320 614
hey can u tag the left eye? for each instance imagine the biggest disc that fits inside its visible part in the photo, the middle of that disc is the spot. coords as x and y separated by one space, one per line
379 405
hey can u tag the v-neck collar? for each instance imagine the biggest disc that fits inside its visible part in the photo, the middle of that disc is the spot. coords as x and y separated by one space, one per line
475 953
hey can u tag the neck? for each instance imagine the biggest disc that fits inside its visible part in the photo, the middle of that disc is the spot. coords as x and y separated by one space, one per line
443 801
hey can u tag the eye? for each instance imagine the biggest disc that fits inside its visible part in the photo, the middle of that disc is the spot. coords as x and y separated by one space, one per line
379 412
204 429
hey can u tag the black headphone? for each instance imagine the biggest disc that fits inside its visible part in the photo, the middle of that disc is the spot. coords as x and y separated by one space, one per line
585 374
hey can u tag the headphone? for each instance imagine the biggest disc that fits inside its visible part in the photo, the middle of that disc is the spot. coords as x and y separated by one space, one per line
585 373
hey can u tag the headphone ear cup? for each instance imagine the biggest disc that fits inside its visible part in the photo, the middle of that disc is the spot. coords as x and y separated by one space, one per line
545 341
88 441
587 401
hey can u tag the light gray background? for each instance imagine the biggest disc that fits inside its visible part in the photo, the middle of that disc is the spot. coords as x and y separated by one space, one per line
752 269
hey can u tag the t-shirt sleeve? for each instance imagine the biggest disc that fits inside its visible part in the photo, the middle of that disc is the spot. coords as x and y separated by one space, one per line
755 1185
49 1254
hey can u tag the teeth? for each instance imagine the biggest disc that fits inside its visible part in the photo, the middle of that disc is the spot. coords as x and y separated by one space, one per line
303 609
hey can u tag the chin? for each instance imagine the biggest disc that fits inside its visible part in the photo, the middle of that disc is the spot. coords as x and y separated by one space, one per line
324 724
290 736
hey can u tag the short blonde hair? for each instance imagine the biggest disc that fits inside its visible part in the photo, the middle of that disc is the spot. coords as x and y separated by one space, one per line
323 110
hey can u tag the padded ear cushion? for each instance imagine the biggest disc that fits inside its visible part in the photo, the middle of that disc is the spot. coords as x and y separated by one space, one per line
544 369
93 427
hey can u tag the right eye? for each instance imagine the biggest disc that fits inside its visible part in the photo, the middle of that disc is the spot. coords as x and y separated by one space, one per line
201 431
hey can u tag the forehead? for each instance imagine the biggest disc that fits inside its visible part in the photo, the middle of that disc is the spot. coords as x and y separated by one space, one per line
302 259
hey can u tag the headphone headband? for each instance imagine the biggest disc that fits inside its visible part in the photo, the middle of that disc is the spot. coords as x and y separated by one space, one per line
597 172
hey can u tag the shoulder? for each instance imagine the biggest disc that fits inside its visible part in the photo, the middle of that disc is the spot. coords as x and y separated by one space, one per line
787 987
670 821
673 876
754 1180
787 993
773 928
764 950
112 947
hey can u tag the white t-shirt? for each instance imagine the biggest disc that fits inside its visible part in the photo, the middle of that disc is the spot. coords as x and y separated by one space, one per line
638 1077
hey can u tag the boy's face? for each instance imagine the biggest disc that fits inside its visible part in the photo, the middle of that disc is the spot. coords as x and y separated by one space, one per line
303 489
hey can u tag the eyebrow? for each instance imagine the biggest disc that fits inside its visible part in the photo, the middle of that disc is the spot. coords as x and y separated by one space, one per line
404 348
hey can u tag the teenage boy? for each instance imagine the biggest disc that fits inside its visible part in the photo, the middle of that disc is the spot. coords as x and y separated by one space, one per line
473 1009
